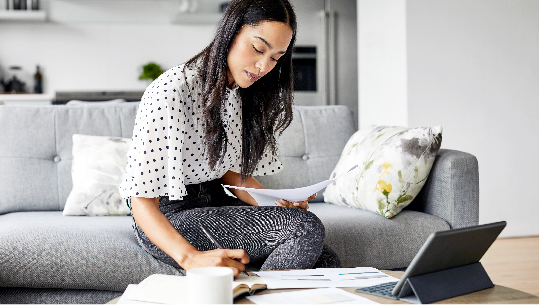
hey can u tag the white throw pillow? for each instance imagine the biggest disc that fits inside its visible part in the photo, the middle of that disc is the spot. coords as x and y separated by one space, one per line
90 103
394 163
98 169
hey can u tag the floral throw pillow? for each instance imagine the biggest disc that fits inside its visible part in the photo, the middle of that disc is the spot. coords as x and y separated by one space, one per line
393 165
97 171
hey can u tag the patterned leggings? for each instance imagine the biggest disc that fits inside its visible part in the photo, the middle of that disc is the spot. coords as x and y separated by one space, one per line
274 237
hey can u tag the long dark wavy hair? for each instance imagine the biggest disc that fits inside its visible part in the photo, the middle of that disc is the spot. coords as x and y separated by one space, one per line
266 104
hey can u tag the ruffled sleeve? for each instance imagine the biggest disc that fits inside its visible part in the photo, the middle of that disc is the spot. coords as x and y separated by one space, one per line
154 166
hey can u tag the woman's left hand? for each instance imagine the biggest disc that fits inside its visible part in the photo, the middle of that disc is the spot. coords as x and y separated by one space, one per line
296 204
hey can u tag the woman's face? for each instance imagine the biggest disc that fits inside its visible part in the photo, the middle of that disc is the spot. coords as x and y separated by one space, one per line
256 50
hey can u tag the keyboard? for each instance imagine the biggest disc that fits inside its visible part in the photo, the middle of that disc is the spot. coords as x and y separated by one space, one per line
382 290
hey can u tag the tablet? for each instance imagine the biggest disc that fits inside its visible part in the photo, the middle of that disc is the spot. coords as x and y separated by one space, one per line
452 248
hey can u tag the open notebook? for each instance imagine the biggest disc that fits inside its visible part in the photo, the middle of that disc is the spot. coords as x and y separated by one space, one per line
173 289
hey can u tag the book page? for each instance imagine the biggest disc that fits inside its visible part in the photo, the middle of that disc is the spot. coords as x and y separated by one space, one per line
248 280
161 288
173 289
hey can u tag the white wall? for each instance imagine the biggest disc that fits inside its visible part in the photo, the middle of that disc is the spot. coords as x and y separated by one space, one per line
473 67
382 62
89 45
97 57
100 45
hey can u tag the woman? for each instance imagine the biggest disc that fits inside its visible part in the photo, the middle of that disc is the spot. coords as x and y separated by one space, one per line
213 121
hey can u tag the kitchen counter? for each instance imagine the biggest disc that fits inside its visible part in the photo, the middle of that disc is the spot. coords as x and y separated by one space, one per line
26 99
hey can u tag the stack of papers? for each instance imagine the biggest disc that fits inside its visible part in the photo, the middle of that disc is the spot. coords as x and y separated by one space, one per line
325 277
170 289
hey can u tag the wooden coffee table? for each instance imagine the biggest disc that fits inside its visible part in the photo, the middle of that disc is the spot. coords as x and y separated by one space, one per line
496 295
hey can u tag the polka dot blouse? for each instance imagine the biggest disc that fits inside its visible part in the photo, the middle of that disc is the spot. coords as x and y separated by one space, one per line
167 150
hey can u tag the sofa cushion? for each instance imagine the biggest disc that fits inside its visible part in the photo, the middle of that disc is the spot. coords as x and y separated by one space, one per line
363 238
56 296
394 163
49 250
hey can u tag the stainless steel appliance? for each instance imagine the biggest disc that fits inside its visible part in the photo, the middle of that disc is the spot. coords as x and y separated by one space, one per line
325 57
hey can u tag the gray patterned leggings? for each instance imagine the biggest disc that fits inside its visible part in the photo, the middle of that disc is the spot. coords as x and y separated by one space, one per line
274 237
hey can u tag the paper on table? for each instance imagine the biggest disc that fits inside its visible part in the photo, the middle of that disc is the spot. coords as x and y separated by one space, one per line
325 277
269 196
311 296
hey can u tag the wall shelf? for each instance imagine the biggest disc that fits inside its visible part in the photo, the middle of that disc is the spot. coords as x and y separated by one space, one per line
22 15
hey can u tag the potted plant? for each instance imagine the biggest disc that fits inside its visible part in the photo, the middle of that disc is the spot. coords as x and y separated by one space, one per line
150 72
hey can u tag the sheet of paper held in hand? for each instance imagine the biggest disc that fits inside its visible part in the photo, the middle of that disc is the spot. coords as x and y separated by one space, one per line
325 277
269 196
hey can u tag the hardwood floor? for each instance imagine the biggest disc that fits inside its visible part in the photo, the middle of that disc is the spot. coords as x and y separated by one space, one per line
514 263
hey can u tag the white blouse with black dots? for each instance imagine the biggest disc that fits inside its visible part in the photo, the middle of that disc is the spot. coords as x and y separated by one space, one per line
167 150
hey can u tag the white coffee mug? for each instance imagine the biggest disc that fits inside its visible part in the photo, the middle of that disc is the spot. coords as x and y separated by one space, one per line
210 285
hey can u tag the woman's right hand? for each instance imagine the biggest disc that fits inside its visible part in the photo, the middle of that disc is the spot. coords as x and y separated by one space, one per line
234 259
160 231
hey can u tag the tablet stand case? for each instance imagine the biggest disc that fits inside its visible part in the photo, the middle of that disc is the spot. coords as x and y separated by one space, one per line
444 284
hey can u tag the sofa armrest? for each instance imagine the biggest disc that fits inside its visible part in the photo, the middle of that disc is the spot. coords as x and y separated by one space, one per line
452 190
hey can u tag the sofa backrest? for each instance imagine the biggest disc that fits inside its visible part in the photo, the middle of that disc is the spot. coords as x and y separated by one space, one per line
311 146
35 150
36 144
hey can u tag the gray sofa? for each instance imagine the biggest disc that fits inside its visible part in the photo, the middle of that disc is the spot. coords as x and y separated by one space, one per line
49 258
